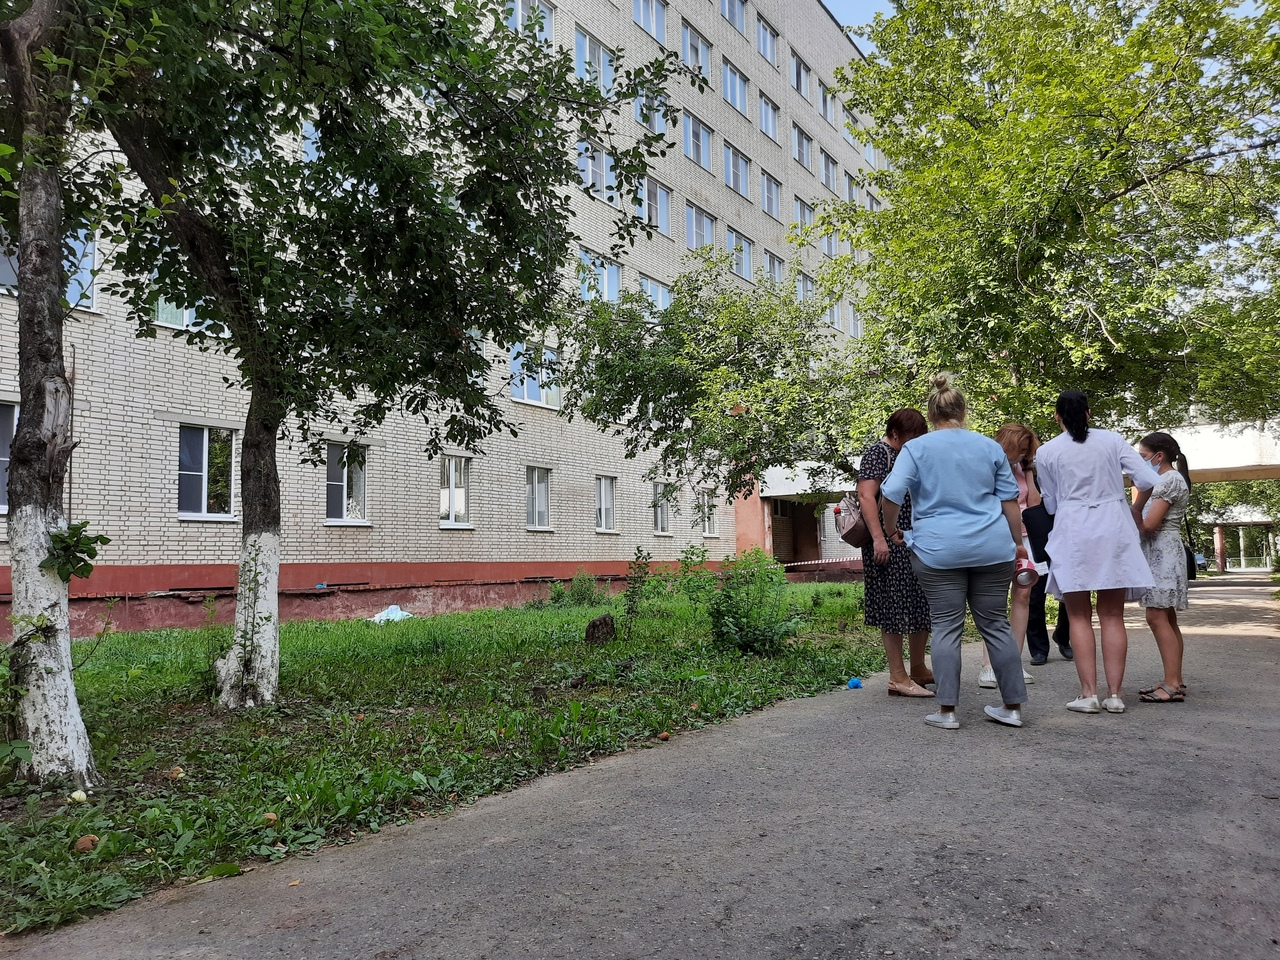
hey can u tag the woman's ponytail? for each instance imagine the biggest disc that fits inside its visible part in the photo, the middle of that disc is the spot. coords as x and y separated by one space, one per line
1073 410
1165 444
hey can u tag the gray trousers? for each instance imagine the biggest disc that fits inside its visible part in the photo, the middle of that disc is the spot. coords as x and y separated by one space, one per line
986 592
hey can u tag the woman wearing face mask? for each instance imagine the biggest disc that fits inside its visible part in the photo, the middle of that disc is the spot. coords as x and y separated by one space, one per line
1019 444
1158 512
1094 543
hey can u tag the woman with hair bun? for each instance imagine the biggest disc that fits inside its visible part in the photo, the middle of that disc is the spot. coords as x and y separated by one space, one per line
1094 544
966 530
1158 512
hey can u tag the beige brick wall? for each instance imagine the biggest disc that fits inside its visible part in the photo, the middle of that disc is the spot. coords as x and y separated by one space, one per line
131 394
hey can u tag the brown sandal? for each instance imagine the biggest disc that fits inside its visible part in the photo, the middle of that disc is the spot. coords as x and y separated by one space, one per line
908 689
1162 693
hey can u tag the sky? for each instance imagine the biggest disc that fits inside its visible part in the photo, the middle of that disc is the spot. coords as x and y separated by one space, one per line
857 13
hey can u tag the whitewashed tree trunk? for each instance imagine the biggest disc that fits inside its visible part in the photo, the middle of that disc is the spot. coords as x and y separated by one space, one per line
46 712
249 674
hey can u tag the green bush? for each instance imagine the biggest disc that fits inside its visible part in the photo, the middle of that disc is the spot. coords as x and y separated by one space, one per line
750 612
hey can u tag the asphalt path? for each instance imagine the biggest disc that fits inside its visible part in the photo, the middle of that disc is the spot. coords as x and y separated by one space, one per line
835 827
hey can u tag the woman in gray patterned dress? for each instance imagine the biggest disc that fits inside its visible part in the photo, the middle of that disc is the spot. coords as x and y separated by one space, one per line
893 600
1158 512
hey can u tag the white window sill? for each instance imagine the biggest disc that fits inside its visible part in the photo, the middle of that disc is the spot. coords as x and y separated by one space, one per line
711 536
534 403
207 518
659 533
457 526
347 523
540 529
611 533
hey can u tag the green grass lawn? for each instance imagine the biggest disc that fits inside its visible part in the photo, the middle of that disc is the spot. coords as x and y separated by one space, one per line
374 724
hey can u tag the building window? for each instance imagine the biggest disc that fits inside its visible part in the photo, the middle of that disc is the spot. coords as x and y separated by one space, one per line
604 504
700 227
649 113
525 12
849 123
804 286
735 88
737 171
697 141
850 188
80 269
8 421
537 484
767 41
344 483
768 117
455 491
735 11
830 244
873 204
206 466
655 206
651 15
741 248
872 156
770 189
169 314
800 76
801 147
774 266
804 214
855 322
531 376
833 315
830 171
707 510
601 279
695 51
827 103
594 61
595 170
661 508
657 292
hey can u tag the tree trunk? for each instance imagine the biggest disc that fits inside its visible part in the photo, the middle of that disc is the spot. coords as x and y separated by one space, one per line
249 674
45 711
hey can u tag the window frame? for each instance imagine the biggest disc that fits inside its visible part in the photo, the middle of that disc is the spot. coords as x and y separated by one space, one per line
768 109
736 82
519 18
644 206
453 467
775 267
692 213
656 11
6 447
647 285
800 136
349 471
606 515
767 181
741 252
828 163
737 167
763 25
585 66
804 214
532 474
204 514
605 282
598 161
703 46
693 125
801 76
521 375
707 511
661 510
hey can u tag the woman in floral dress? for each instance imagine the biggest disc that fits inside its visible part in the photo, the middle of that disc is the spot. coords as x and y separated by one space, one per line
893 600
1159 512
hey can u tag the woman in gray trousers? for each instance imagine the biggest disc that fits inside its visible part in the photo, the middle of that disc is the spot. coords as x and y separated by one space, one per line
966 533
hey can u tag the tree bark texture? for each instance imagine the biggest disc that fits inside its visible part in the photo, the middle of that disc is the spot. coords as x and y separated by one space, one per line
248 675
45 710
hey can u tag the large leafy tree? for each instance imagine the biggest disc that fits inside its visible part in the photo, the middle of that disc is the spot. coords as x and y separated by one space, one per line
356 196
353 196
1075 195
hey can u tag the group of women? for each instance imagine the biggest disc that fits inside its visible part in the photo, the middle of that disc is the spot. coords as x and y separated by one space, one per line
944 509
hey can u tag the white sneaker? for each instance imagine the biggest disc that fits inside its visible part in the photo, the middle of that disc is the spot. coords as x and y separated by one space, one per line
987 678
1113 704
1085 705
1027 678
947 721
1010 717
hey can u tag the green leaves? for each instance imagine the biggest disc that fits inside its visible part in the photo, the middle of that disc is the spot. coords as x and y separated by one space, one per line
72 552
1077 196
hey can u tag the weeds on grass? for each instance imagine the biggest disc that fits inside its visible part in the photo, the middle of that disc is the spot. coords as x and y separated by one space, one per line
375 724
750 612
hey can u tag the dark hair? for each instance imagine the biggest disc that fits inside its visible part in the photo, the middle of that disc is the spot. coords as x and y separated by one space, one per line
907 423
1073 410
1163 443
946 403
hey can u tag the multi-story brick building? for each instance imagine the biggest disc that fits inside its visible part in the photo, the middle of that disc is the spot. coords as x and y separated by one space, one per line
155 468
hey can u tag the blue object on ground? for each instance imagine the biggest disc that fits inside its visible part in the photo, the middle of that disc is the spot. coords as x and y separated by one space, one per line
855 683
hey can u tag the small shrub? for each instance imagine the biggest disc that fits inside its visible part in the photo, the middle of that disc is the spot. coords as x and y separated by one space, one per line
584 591
692 577
638 577
749 612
